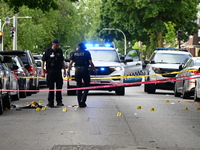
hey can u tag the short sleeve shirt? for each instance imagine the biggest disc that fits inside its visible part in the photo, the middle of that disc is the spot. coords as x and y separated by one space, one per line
54 59
81 58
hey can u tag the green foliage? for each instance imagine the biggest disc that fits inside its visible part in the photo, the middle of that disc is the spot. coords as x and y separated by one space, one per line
68 24
44 5
146 20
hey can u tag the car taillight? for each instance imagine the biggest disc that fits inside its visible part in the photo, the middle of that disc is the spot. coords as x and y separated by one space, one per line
195 72
31 69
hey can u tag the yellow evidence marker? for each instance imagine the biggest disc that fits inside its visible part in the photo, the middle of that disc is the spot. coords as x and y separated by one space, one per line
37 109
139 107
64 109
198 108
44 108
152 109
167 101
186 108
119 114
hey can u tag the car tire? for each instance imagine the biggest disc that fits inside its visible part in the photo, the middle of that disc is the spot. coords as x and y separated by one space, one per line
1 104
15 97
30 88
23 94
150 88
120 91
176 94
195 95
70 92
185 95
7 101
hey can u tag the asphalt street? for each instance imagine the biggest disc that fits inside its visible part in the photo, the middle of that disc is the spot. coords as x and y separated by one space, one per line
132 122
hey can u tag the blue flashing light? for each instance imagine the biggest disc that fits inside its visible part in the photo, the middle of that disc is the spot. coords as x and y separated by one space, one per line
89 45
107 45
102 69
96 45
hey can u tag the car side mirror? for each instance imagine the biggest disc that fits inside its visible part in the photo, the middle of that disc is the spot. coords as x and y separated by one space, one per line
128 59
181 67
146 61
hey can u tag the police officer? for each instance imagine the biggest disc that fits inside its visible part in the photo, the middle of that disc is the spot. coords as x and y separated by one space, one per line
54 59
82 59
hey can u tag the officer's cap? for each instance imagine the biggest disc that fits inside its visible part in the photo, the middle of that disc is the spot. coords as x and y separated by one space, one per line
82 46
56 41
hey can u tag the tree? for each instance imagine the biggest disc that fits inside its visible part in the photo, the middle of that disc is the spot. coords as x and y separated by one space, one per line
44 5
149 17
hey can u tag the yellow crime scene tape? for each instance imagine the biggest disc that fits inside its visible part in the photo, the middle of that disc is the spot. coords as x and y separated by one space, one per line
118 77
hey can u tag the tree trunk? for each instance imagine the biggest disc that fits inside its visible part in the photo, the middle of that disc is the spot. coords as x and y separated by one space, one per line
160 39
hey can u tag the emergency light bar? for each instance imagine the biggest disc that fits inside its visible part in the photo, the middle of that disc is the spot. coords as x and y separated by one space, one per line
98 45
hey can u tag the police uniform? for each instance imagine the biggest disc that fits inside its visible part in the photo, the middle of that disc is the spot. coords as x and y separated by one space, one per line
81 58
54 60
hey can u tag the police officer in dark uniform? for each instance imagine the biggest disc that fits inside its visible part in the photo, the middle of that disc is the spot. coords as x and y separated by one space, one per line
82 59
54 59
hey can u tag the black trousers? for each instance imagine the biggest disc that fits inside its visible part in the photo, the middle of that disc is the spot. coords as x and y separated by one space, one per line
82 75
54 77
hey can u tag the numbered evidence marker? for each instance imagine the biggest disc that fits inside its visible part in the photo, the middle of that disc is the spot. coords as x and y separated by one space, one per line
198 108
186 108
152 109
37 109
139 107
119 114
64 109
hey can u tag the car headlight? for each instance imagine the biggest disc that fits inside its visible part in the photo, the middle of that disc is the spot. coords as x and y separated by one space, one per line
73 68
156 70
116 68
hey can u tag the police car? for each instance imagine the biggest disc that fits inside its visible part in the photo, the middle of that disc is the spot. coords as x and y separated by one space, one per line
109 66
161 65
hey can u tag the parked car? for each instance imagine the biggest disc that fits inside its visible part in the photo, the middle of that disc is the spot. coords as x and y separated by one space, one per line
186 87
197 88
42 81
7 82
29 63
11 78
22 74
161 64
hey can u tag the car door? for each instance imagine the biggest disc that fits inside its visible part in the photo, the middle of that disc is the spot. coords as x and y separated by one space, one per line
183 74
133 66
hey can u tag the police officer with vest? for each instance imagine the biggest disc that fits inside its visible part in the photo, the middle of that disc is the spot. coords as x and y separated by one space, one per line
82 59
54 59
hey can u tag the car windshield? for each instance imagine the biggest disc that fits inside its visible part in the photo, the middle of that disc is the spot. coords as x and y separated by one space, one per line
171 58
104 55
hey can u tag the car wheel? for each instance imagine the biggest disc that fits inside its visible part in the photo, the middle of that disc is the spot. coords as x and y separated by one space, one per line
150 88
23 94
185 94
120 91
176 94
1 104
7 101
15 97
196 98
30 88
70 92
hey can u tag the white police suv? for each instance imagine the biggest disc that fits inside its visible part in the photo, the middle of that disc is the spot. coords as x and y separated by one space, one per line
160 66
108 64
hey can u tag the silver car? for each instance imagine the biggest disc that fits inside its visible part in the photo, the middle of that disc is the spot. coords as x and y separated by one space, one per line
186 86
